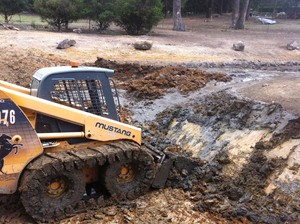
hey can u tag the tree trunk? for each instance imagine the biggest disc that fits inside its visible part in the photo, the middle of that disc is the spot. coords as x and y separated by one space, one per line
239 13
210 4
67 25
248 9
166 8
226 6
220 7
6 18
177 19
235 12
240 24
274 9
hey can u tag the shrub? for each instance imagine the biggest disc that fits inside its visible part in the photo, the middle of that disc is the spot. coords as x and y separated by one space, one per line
100 11
138 17
11 7
58 13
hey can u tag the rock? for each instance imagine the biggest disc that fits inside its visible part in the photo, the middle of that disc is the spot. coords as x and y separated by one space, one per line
239 46
292 46
66 44
263 145
111 211
143 45
98 216
281 15
77 30
184 172
101 201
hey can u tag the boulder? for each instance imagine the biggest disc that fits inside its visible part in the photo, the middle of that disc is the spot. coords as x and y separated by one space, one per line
77 30
66 44
292 46
239 46
143 45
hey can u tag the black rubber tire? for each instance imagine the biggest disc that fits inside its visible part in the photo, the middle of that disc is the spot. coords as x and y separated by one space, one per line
37 200
144 170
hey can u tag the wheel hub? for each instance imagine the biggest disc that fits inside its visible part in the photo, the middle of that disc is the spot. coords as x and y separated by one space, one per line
126 174
57 187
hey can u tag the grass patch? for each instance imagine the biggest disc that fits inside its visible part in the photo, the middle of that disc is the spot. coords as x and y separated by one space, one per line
36 22
25 19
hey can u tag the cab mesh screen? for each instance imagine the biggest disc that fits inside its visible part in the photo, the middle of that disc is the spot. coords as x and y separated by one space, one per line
86 95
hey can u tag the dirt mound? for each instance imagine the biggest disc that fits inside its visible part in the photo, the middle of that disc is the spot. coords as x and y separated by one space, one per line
236 162
159 82
18 66
228 162
151 82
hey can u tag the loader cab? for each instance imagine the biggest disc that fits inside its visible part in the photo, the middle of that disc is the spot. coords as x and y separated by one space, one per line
85 88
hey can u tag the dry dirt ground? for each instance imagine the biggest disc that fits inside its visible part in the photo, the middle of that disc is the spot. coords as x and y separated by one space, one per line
205 41
185 62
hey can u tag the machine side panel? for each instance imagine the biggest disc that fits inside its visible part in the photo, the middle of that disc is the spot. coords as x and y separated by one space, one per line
96 128
19 144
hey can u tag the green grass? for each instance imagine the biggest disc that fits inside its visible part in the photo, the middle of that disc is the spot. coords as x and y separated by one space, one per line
26 19
36 22
195 24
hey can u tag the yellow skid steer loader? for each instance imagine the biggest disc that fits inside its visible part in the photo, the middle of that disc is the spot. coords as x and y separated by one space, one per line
62 142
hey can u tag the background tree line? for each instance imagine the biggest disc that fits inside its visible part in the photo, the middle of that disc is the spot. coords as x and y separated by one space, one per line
134 16
139 16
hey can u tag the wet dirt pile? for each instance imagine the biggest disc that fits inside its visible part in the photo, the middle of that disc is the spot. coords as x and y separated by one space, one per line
231 148
150 82
232 165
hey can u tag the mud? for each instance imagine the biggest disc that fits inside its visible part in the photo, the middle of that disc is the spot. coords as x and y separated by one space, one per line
217 181
237 159
221 169
151 82
230 148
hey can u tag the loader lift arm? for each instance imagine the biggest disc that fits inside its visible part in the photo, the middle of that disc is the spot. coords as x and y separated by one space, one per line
94 127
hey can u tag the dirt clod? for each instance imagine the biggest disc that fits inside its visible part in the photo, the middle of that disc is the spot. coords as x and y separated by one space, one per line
151 82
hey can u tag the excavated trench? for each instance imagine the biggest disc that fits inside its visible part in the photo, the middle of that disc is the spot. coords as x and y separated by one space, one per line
235 156
245 157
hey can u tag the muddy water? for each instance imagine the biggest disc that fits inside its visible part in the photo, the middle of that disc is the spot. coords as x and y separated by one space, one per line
257 85
246 151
